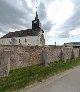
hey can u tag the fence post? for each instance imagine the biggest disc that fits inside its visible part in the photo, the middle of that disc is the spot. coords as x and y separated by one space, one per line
44 57
79 52
72 55
4 63
61 55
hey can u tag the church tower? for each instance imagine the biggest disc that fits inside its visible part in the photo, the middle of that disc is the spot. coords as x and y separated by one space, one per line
36 23
36 26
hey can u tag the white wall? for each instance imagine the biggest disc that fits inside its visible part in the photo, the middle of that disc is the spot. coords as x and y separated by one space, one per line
5 41
30 40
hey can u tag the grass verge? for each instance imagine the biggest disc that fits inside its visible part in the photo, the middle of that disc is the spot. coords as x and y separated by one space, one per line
19 78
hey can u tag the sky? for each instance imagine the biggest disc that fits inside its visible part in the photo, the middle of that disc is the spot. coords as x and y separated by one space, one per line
60 19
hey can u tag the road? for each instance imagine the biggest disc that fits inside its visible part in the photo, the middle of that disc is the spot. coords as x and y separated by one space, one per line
68 83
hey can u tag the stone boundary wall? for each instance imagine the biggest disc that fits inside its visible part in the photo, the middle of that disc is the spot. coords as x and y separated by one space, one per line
22 56
4 62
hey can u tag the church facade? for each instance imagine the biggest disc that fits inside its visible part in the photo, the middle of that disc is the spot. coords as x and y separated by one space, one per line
29 37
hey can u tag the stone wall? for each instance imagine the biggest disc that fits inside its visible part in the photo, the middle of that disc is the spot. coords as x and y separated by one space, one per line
53 53
22 56
67 53
76 52
4 62
25 56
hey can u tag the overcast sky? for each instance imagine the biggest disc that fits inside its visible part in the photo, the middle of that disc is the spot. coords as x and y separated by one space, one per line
60 19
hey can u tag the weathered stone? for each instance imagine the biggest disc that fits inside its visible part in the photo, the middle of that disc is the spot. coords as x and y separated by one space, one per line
45 57
4 63
22 56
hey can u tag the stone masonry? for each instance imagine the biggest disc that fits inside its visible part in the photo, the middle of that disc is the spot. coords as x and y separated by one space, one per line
4 62
22 56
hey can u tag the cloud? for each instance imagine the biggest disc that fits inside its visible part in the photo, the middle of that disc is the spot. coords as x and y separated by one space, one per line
49 1
26 7
48 25
75 32
64 35
17 14
11 16
37 2
42 11
73 22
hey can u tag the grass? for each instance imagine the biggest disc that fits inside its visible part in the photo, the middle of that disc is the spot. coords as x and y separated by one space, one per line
19 78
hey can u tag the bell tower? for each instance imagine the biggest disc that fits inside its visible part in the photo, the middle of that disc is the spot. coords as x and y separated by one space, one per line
36 23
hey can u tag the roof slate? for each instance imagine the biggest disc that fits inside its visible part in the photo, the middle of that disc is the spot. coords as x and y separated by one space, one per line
22 33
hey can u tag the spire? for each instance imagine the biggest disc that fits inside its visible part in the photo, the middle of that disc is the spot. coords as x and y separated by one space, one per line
36 16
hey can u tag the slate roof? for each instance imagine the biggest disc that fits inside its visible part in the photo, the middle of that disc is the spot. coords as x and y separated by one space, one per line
75 43
72 43
22 33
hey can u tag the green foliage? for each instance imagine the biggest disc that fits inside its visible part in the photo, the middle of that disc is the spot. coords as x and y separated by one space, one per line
19 78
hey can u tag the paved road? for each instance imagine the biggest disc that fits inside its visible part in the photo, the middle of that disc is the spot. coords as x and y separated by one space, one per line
68 83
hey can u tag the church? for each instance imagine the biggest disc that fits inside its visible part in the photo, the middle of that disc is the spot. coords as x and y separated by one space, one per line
28 37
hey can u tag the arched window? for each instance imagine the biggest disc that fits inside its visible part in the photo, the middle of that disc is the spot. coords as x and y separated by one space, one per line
13 41
42 40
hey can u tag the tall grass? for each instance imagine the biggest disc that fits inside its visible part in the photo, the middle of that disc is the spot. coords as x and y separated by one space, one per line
19 78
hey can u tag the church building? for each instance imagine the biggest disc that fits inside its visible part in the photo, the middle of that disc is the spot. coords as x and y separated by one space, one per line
28 37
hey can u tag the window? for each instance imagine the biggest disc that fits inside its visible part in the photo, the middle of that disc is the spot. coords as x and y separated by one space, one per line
42 41
19 40
2 41
25 40
13 41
